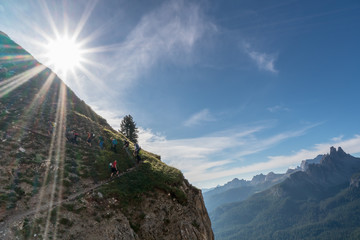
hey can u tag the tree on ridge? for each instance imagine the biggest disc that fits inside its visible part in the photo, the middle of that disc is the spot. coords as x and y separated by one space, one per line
129 129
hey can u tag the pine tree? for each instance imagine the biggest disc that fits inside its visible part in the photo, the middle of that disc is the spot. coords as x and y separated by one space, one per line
129 129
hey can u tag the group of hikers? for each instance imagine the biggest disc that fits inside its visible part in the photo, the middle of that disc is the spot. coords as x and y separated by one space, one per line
113 166
72 137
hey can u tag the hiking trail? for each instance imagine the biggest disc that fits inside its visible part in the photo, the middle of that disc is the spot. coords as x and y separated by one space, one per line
4 226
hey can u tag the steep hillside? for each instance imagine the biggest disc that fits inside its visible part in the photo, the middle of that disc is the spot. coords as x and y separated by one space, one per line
52 188
321 203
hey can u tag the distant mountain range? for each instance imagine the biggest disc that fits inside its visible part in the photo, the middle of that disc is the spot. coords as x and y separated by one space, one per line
322 202
238 190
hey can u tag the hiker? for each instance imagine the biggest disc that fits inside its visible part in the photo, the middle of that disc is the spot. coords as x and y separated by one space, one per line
110 168
126 144
74 137
136 152
89 138
101 142
113 144
113 168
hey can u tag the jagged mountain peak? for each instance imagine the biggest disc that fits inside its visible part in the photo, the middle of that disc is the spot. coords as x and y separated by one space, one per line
337 157
339 153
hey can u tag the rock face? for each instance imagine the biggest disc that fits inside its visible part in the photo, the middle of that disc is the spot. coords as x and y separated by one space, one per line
355 181
334 168
164 218
52 188
305 163
158 216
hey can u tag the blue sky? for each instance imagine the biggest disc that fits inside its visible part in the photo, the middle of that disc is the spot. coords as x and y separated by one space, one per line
220 89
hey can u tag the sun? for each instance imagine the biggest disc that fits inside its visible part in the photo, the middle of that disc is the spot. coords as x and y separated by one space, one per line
64 54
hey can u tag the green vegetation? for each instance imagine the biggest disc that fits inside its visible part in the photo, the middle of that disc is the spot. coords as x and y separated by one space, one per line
334 214
150 175
128 128
66 222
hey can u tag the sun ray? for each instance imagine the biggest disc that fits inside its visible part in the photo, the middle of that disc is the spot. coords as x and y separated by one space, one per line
93 64
93 78
36 102
9 85
34 106
84 18
59 148
48 16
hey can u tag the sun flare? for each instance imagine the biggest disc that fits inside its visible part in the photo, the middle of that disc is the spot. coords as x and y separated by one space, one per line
64 54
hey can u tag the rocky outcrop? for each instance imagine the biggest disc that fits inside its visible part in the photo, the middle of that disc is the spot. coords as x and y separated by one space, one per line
158 216
355 181
165 218
305 163
334 168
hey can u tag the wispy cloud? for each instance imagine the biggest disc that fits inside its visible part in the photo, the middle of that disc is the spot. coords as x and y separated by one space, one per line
264 61
351 146
278 108
169 32
218 155
337 139
202 116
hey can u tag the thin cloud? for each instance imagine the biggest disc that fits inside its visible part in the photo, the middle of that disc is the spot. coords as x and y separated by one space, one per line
168 32
337 139
278 108
218 155
196 119
351 146
264 61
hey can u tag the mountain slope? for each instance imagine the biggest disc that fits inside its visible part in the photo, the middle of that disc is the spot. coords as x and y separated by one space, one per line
321 203
47 182
239 190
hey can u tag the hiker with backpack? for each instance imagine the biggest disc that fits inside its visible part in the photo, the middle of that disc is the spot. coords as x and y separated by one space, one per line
111 169
101 142
113 145
136 152
72 137
126 144
90 138
114 169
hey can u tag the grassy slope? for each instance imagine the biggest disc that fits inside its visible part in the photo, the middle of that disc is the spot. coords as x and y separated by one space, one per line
25 125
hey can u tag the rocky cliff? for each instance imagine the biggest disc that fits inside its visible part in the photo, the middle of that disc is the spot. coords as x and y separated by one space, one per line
53 188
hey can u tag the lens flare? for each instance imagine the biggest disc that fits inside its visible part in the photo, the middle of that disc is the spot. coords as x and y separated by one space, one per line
64 54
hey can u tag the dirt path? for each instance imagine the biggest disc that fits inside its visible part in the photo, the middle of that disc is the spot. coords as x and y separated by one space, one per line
16 216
